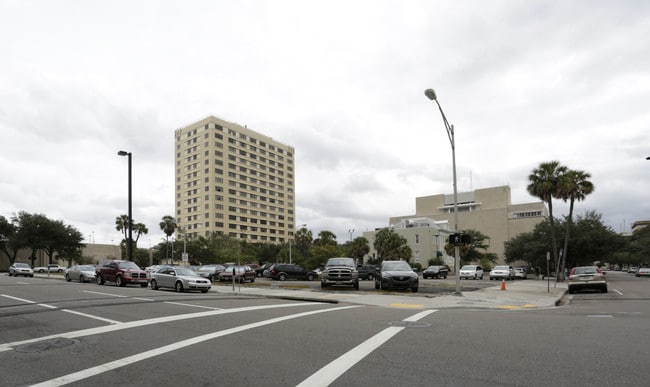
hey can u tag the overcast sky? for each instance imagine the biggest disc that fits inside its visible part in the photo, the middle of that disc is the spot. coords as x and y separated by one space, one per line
523 82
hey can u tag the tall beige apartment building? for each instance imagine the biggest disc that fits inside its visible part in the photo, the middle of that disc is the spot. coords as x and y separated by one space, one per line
231 180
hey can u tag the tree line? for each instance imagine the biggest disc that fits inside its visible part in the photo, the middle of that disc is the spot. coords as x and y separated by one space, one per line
36 232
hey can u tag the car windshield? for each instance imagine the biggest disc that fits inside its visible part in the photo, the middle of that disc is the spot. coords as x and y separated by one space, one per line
22 265
129 265
585 270
396 266
341 262
184 271
501 268
468 268
86 268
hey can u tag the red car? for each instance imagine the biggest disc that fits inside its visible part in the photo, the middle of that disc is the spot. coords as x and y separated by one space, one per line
121 272
241 274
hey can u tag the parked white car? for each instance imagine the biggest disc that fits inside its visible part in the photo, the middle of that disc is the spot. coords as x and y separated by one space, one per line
471 271
20 269
520 273
502 273
52 268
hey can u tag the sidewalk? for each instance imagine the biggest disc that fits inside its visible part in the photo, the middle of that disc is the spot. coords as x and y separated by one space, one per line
523 294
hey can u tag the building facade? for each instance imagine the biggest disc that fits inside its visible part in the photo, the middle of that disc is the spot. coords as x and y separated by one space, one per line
487 210
425 236
233 181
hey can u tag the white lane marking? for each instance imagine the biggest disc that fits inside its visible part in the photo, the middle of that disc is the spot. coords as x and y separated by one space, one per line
191 305
93 371
104 294
328 374
24 283
619 293
142 299
151 321
29 302
599 315
91 316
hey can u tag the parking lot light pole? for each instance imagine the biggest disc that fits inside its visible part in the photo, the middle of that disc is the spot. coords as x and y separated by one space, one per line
129 246
450 133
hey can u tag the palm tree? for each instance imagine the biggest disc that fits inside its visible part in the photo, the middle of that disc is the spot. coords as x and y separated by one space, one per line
545 183
140 229
122 224
168 226
574 186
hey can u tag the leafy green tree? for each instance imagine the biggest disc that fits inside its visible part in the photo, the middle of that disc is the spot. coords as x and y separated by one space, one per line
168 226
639 244
8 239
574 186
325 238
545 184
390 245
591 241
31 232
303 240
358 248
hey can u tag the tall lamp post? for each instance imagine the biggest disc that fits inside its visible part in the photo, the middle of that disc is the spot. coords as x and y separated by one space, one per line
129 246
450 133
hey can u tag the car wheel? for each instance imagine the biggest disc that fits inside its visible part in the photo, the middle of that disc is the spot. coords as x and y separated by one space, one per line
604 289
67 278
376 285
100 280
154 285
356 285
252 279
179 287
322 285
415 289
204 290
310 277
119 281
282 277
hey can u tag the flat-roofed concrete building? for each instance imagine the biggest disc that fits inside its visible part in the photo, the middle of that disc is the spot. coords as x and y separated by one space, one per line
231 180
488 210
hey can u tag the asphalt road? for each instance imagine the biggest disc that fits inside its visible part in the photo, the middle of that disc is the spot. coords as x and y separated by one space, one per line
55 333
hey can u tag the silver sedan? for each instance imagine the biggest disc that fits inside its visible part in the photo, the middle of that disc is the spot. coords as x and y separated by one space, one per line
81 273
179 279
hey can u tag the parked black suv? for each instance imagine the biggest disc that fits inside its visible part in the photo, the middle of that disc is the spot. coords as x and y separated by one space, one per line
281 271
367 272
436 271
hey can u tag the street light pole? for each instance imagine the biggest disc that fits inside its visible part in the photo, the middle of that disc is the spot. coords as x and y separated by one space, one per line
129 246
450 133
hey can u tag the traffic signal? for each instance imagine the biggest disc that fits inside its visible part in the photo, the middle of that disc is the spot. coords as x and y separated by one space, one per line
455 239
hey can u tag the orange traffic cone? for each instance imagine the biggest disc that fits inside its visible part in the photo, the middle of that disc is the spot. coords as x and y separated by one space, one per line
503 285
